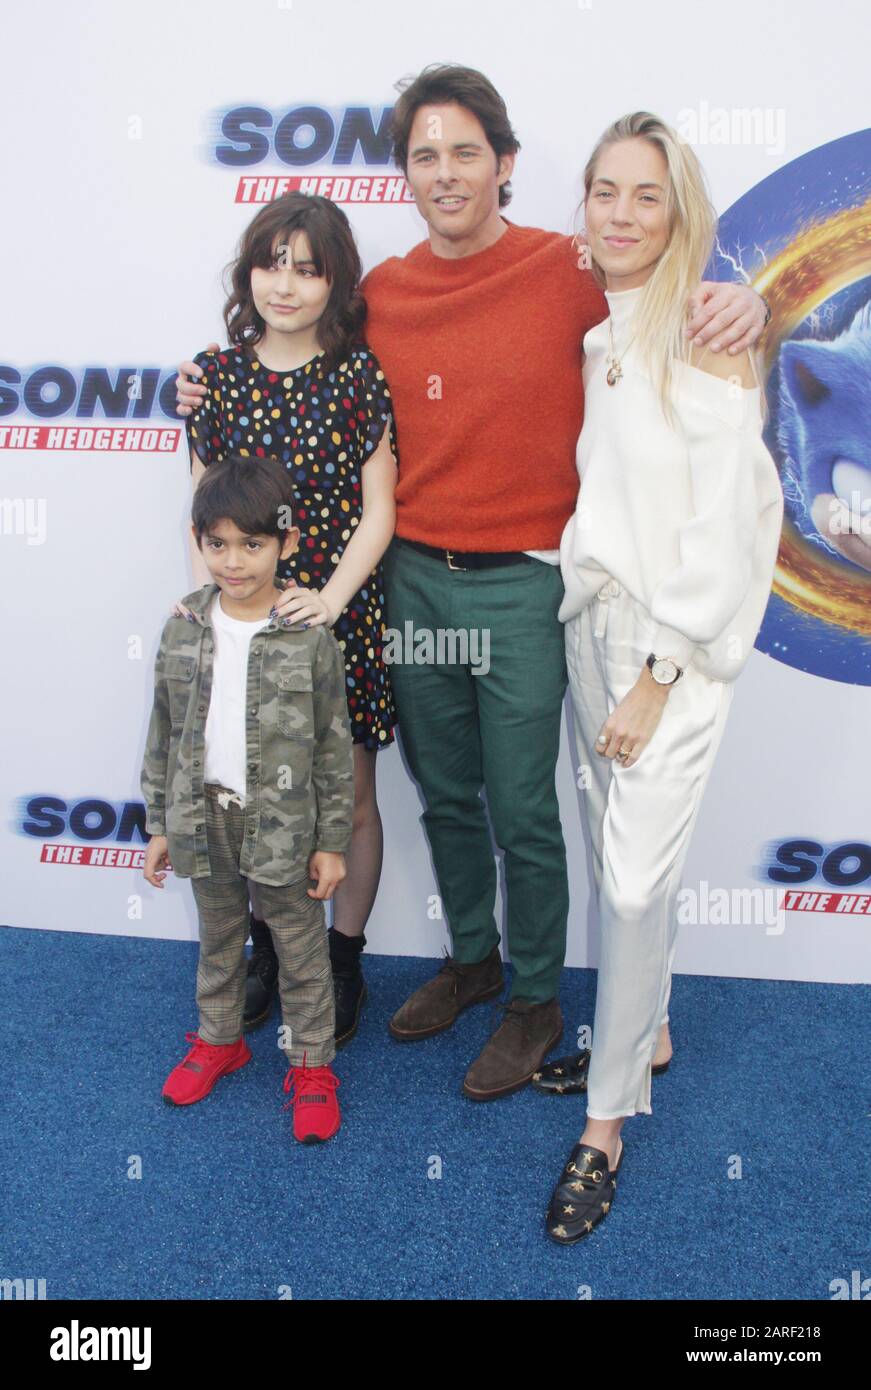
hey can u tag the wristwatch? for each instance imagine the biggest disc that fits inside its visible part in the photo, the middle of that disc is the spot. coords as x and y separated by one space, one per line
663 670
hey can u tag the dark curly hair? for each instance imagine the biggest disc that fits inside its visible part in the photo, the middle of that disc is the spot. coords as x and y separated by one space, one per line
335 255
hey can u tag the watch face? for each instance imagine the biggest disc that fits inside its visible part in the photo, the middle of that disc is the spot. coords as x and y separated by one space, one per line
664 671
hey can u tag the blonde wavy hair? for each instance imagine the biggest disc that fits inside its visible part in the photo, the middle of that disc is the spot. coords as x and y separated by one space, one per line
692 225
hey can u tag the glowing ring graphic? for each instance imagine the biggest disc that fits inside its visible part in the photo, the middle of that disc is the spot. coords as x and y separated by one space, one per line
823 259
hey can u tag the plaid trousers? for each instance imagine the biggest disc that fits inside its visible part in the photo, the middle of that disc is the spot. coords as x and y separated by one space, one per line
298 927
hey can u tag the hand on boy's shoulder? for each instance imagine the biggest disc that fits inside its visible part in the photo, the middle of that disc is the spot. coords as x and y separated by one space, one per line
196 600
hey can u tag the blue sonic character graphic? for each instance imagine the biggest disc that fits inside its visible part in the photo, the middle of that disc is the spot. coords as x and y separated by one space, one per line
824 431
803 238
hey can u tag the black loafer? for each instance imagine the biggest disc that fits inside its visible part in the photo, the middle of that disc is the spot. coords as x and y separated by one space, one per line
583 1196
567 1076
261 987
564 1076
349 989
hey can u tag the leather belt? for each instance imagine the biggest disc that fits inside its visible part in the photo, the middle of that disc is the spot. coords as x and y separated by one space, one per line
470 559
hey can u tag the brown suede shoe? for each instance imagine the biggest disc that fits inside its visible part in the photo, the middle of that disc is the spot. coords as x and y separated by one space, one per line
436 1005
516 1050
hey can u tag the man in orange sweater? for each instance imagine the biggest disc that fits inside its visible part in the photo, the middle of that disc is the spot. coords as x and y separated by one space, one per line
478 330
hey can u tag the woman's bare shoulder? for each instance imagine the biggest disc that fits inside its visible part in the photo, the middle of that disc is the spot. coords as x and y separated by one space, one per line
720 364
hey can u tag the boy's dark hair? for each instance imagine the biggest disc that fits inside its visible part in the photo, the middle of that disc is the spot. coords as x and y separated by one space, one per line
335 255
256 494
443 82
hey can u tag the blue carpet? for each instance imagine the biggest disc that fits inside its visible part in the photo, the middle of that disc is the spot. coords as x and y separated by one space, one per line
229 1206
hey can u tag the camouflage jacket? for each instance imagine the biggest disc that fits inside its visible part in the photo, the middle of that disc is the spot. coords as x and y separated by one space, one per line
299 753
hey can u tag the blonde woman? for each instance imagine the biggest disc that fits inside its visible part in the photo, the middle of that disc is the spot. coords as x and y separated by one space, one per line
667 564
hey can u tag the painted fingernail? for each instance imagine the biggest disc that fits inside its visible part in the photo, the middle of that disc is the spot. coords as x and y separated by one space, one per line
272 613
188 618
306 624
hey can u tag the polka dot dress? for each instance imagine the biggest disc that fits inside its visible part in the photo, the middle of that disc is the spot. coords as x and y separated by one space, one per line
323 427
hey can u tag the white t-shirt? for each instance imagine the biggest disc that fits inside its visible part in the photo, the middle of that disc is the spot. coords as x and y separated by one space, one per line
225 722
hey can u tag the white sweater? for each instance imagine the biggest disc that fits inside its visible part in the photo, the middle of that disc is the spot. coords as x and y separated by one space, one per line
687 517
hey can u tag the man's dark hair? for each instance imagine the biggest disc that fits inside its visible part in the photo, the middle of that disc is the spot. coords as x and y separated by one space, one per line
256 494
443 82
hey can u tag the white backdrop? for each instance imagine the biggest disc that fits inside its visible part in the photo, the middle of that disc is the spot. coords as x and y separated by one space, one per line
118 221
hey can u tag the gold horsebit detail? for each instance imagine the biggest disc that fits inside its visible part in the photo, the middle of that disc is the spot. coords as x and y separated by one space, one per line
596 1176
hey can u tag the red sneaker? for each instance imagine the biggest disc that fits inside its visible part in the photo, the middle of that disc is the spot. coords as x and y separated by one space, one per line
205 1064
315 1107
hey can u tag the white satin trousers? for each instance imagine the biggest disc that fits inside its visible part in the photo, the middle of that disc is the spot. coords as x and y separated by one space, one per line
641 819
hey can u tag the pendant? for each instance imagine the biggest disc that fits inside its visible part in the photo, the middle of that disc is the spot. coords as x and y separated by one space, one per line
614 373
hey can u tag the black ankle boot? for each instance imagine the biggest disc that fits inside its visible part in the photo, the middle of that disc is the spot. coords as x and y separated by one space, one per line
348 983
261 985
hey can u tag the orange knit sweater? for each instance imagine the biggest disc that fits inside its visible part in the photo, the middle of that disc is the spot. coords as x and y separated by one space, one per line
483 359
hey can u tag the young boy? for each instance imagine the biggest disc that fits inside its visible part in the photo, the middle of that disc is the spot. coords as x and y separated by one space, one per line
248 774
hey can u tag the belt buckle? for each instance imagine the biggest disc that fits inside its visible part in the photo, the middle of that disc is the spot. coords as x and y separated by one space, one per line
449 555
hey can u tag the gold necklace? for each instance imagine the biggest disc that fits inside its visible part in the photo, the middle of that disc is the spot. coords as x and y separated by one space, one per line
615 370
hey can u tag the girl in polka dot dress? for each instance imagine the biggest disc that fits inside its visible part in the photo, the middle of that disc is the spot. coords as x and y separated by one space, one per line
298 384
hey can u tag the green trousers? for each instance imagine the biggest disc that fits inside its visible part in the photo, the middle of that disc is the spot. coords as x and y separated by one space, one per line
497 730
